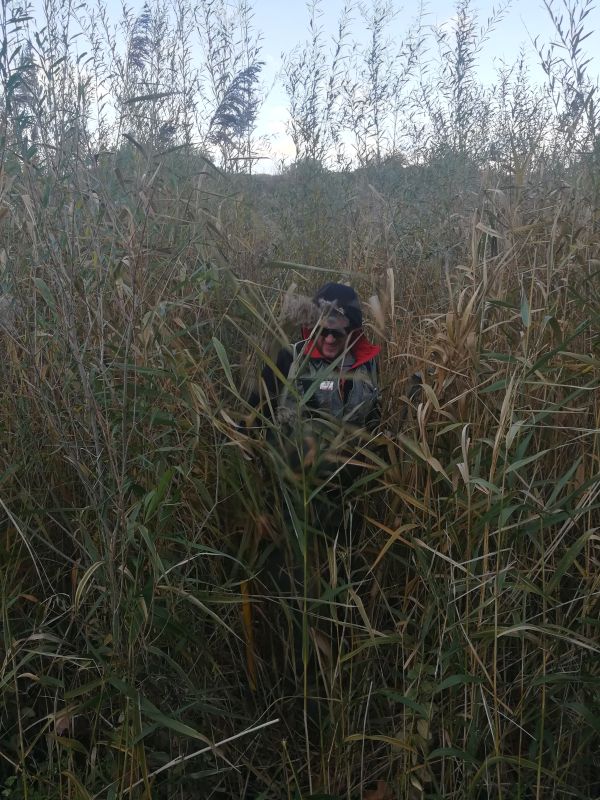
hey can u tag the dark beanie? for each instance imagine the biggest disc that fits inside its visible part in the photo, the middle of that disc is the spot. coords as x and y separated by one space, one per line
343 299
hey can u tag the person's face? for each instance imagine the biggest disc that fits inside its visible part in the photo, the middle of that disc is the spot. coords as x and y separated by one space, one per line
333 338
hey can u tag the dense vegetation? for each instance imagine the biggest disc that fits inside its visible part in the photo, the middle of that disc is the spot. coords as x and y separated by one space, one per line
449 646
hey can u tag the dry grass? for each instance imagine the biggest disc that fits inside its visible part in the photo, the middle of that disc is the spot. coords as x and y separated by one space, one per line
183 615
163 589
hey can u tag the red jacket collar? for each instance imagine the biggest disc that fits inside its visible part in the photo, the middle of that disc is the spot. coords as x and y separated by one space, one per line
363 350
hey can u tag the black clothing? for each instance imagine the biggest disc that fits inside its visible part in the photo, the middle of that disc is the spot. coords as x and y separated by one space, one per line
271 381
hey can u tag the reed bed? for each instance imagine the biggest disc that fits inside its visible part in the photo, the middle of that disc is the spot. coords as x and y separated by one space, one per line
448 647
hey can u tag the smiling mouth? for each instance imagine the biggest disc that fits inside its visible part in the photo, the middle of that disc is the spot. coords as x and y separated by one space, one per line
331 349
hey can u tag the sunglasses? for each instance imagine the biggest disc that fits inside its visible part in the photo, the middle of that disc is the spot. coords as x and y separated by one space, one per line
337 333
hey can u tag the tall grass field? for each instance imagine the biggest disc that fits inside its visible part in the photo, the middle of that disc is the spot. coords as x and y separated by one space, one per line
177 622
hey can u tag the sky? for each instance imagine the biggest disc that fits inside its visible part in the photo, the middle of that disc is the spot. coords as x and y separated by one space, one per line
285 24
523 20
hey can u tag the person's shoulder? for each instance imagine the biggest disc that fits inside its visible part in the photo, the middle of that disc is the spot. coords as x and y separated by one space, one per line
284 359
365 350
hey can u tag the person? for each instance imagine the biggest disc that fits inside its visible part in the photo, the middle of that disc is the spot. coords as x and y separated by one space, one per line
320 406
330 373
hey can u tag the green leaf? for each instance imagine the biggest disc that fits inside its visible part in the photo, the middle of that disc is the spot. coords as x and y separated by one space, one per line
379 641
68 743
487 486
397 697
87 687
222 355
169 722
501 304
518 762
522 462
562 678
525 315
44 290
550 320
456 680
545 358
415 448
583 358
507 512
160 417
155 714
504 357
593 720
155 497
451 752
81 793
568 558
495 387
